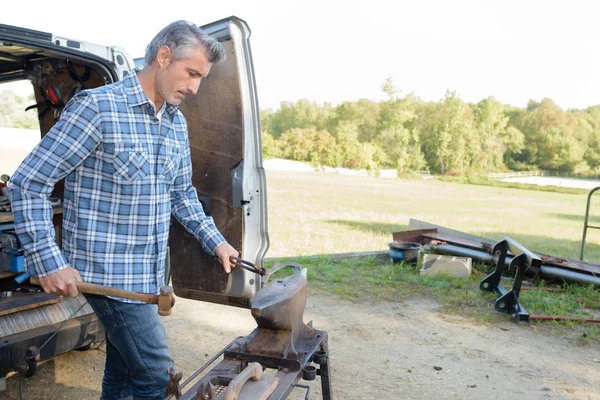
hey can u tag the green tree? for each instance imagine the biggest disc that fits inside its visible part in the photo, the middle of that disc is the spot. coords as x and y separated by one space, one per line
13 114
394 136
269 146
450 140
551 137
592 152
302 114
308 144
495 134
363 113
351 153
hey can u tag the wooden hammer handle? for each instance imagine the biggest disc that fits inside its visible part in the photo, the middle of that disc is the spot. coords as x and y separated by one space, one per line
91 288
252 371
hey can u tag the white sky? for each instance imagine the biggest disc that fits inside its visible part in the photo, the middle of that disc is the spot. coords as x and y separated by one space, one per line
343 50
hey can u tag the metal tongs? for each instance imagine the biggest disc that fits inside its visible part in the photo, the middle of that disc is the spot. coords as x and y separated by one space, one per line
247 265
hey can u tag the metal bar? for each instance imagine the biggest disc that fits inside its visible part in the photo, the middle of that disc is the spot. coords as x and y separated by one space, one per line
287 381
491 282
304 387
266 361
570 263
325 380
569 275
585 223
453 250
518 249
545 270
545 289
535 317
212 360
522 266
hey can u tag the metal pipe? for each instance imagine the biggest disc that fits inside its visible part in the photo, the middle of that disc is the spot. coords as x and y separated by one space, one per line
585 223
535 317
569 275
212 360
554 272
465 252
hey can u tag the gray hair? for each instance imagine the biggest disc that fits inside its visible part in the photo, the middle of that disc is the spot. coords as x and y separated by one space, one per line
181 36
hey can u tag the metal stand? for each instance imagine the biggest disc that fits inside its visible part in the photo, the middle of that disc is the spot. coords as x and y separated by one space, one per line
281 342
508 302
288 370
585 224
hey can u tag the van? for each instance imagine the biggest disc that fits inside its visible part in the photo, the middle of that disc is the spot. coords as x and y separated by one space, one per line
224 132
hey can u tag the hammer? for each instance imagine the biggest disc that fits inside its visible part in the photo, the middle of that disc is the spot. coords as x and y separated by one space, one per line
165 300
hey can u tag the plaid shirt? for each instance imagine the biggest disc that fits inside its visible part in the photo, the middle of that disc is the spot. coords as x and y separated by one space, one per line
126 172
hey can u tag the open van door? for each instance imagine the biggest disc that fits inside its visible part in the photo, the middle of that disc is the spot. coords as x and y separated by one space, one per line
224 131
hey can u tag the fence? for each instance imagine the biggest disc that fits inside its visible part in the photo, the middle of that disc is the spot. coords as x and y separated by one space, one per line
546 173
516 174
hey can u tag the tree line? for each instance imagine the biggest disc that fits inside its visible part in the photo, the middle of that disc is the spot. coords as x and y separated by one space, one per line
450 136
405 133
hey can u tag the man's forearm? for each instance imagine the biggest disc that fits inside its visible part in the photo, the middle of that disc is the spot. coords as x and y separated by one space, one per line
33 224
188 210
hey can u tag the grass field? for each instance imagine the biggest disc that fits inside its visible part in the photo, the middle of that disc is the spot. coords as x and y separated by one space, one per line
321 213
313 215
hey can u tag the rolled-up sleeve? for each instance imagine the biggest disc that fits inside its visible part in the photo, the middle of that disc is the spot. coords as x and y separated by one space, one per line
186 207
70 141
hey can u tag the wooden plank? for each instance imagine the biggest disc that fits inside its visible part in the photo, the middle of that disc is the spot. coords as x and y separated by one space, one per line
259 390
6 274
415 223
8 216
26 301
412 236
255 390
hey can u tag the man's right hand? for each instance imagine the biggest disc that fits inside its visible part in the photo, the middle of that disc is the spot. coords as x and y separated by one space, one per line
61 283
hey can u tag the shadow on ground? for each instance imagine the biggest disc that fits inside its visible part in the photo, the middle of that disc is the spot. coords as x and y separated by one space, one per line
577 218
375 227
43 386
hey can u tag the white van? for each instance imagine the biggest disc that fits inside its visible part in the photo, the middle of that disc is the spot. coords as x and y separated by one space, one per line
224 132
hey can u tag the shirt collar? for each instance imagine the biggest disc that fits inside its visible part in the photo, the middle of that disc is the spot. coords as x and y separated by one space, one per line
136 95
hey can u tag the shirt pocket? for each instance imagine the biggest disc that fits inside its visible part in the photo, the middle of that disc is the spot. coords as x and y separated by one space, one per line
131 161
172 162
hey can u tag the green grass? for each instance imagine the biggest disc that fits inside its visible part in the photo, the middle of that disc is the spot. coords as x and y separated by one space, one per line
372 279
313 215
324 213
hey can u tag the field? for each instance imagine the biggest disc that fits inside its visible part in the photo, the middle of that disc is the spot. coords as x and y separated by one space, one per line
392 334
319 213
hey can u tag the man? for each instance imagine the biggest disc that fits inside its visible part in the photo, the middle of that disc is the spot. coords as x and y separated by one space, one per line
124 151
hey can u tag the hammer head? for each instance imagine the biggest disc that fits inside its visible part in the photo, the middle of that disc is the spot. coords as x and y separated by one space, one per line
166 300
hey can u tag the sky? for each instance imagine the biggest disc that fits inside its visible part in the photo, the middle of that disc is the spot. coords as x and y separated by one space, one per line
335 51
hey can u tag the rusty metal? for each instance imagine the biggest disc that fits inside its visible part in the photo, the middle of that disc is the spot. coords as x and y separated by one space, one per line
281 341
544 289
561 262
535 317
562 268
173 387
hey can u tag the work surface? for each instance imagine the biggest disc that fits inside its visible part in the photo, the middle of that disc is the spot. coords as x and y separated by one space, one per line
378 351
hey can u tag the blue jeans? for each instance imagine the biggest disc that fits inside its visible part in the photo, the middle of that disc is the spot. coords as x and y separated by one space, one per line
137 355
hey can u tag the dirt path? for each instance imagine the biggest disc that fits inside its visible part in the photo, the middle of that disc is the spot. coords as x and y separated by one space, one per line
384 351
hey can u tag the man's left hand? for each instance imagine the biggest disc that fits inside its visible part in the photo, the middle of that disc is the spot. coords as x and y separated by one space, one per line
223 252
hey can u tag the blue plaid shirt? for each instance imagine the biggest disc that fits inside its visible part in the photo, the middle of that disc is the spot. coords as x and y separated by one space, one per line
126 172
